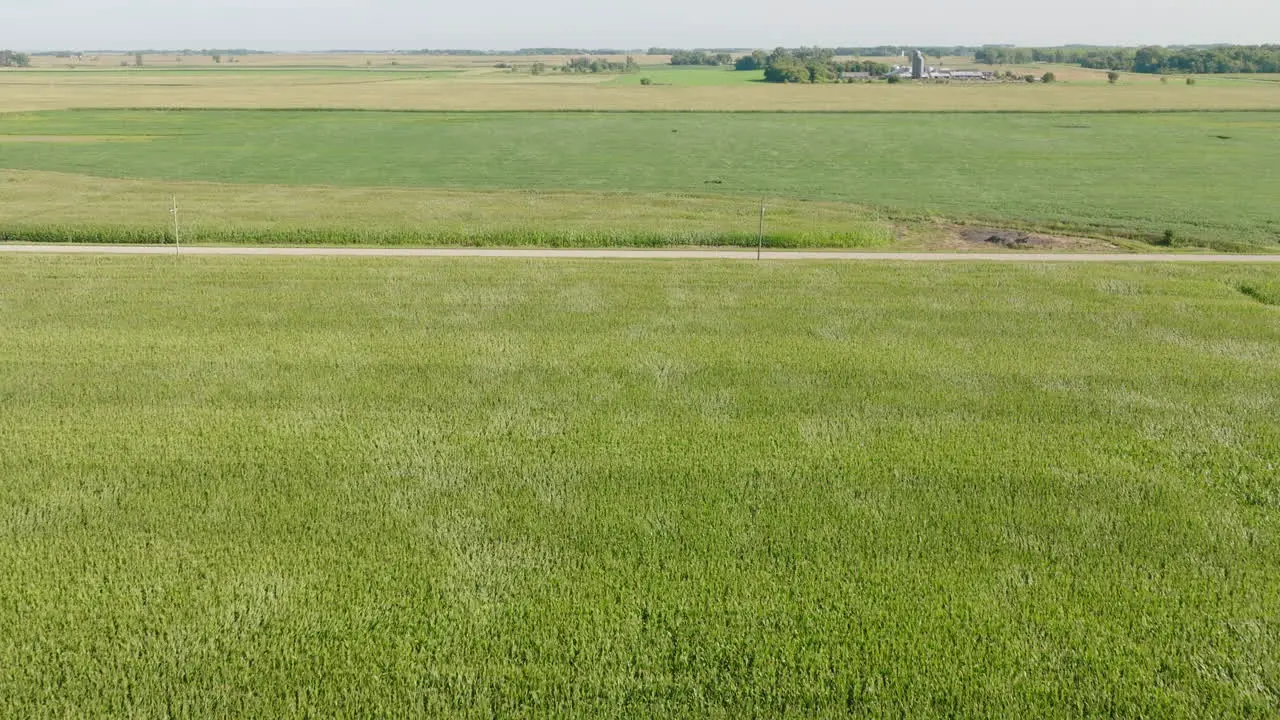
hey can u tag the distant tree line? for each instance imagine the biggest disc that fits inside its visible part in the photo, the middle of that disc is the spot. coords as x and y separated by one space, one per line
596 65
9 58
188 52
571 51
234 52
895 50
1002 55
1151 59
459 51
525 51
807 65
673 51
700 57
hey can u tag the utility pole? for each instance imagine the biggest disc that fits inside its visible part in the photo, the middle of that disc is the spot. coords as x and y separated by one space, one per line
760 233
176 244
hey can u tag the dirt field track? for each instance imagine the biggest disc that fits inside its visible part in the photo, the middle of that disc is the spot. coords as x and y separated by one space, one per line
1012 256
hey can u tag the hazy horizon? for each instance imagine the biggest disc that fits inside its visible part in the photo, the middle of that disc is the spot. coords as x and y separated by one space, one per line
385 25
590 47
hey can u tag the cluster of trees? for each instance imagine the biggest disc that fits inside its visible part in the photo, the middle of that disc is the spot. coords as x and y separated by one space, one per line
597 65
806 65
9 58
755 61
700 57
1228 59
1001 55
821 63
811 65
1151 59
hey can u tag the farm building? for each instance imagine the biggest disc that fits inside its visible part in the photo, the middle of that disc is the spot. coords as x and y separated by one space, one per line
929 72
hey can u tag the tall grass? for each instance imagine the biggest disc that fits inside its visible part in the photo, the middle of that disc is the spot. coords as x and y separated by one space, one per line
283 487
476 237
56 207
1265 292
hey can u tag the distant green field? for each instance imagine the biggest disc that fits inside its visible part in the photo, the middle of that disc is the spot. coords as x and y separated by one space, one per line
229 71
269 487
1259 77
1209 178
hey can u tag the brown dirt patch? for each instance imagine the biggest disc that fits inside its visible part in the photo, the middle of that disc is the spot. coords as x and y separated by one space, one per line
994 238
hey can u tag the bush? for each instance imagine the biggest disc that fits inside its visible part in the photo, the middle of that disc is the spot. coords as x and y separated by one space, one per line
895 79
1113 77
646 81
698 57
597 65
1164 81
9 58
1048 78
1191 81
754 61
1029 78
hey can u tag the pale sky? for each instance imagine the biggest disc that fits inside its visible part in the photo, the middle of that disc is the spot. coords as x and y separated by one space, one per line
510 24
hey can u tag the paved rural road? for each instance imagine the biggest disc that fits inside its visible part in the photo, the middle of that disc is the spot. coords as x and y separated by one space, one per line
606 254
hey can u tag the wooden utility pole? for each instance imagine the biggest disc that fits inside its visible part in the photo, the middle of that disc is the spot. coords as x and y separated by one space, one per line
760 233
176 244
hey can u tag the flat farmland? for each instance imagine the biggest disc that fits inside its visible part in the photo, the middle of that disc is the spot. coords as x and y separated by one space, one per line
1207 179
265 487
477 85
58 207
232 64
688 76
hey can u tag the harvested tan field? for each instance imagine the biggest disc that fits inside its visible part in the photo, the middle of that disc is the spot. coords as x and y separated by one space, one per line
105 61
500 91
